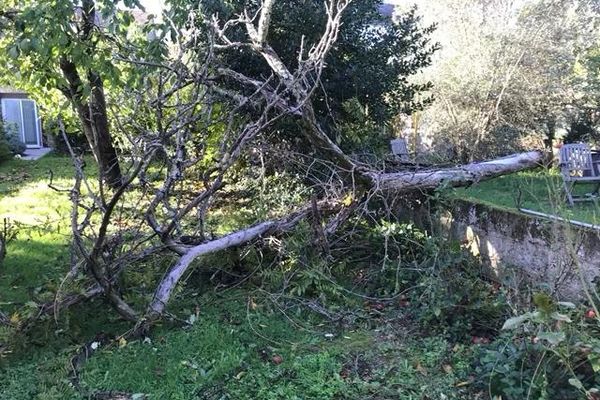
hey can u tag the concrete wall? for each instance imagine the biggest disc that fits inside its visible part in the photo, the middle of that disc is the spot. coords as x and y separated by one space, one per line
557 255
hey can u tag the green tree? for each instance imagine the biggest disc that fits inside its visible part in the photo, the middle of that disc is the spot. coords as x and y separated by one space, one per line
371 62
70 47
504 77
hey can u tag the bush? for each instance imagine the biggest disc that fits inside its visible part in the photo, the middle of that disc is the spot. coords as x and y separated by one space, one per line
5 153
552 352
454 299
10 134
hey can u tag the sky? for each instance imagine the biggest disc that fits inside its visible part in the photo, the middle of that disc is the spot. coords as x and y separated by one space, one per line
153 6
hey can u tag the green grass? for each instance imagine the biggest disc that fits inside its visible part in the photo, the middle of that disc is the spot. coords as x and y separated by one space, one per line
538 190
228 354
38 258
40 216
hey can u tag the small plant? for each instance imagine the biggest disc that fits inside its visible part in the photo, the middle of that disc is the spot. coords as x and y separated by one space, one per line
10 131
552 352
7 233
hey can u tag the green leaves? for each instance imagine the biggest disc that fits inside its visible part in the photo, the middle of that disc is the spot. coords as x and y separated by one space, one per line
553 338
515 322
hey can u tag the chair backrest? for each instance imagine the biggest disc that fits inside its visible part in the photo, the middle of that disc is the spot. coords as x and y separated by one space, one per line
575 160
399 148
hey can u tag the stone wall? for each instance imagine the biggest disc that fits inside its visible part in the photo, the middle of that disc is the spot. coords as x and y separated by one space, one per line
555 254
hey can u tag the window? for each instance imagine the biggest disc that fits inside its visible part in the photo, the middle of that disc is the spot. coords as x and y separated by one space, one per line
23 113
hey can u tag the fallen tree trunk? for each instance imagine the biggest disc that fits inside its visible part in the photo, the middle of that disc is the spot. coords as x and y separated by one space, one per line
170 280
459 176
397 182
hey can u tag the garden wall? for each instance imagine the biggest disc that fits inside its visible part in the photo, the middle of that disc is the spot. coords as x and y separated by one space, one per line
555 254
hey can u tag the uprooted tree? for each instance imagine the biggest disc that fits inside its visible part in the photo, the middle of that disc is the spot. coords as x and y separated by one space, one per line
197 125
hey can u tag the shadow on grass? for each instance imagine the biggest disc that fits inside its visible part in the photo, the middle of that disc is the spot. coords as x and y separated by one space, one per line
32 267
15 173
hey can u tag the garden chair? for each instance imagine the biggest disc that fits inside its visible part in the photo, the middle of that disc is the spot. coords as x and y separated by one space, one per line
400 149
576 165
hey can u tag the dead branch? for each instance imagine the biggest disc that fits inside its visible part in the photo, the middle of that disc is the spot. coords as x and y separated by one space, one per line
171 279
198 119
459 176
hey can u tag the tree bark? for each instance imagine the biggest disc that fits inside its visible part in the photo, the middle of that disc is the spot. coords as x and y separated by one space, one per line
459 176
94 120
109 162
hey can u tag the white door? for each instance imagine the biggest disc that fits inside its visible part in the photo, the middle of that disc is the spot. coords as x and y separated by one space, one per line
23 113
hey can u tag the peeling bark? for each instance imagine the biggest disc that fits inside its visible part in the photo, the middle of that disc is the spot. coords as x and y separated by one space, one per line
459 176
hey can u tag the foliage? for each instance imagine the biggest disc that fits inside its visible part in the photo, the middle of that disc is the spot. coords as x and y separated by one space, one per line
550 353
370 64
454 299
40 36
359 132
379 262
5 152
522 69
11 133
10 142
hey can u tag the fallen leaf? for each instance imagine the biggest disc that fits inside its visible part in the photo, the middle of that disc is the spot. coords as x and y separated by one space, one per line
239 375
421 369
277 359
252 304
15 319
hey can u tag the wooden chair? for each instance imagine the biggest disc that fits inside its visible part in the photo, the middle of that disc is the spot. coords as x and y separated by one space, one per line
576 165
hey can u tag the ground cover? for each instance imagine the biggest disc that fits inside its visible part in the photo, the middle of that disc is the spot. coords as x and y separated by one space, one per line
333 329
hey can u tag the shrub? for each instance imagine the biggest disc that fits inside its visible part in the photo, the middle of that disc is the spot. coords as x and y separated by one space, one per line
453 298
5 153
10 134
552 352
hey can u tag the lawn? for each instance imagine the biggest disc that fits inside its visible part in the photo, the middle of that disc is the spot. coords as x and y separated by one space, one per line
40 216
232 351
538 190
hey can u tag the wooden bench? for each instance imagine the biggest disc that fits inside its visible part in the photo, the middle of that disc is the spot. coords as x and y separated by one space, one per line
576 165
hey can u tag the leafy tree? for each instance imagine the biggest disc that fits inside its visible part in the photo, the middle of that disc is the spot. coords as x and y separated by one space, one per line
371 62
69 47
505 74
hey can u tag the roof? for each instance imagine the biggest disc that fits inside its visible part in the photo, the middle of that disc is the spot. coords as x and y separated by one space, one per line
6 89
